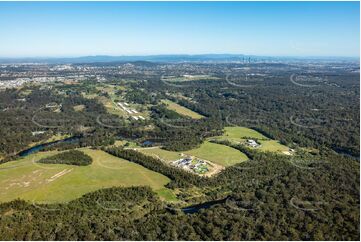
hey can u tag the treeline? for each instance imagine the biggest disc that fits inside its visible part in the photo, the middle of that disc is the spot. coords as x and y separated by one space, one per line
179 177
71 157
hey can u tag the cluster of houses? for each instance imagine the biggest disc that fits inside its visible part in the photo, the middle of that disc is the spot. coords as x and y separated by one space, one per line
195 165
125 106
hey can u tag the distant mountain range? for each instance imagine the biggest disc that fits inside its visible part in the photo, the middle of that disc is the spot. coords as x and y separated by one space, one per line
165 58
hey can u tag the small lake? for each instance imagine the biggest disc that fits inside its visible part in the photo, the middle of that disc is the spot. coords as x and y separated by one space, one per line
38 148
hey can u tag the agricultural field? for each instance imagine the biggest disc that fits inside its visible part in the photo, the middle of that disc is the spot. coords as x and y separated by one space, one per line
182 110
241 134
53 183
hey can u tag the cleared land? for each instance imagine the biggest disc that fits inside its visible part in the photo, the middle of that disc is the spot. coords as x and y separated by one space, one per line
79 108
52 183
182 110
164 155
110 102
216 153
241 134
219 154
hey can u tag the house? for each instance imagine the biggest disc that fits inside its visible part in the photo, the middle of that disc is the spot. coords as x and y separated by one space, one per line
252 143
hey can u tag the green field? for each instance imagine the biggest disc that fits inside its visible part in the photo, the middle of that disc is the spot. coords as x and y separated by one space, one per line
51 183
240 134
219 154
182 110
127 144
162 154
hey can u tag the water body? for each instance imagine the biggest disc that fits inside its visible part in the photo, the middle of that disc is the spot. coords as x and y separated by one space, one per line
38 148
347 153
195 208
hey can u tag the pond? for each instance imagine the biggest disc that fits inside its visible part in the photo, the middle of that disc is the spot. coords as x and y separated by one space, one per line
37 148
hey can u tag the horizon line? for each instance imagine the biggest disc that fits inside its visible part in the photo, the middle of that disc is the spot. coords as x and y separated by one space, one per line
174 54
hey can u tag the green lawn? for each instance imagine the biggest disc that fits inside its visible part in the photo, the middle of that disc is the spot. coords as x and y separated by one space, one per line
240 134
162 154
182 110
219 154
50 183
273 146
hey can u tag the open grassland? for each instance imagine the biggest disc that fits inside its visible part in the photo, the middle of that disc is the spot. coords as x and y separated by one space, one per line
216 153
182 110
241 134
273 146
52 183
126 144
164 155
219 154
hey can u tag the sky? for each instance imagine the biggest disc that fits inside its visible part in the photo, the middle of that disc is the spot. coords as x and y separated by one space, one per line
66 29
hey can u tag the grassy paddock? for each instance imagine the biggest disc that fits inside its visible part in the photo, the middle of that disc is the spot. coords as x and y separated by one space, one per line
162 154
216 153
53 183
240 134
219 154
182 110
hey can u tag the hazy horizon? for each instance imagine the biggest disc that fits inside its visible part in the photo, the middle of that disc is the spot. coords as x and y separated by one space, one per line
177 54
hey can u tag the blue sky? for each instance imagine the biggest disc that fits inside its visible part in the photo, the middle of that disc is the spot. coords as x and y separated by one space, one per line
142 28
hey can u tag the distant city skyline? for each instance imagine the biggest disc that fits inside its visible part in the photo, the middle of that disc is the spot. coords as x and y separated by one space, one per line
72 29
